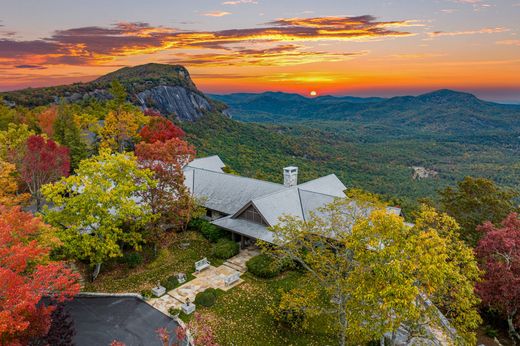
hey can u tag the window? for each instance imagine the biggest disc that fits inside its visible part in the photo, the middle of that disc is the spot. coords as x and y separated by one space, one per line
251 214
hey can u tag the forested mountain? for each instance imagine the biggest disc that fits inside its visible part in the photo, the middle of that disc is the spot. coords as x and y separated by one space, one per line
405 147
441 110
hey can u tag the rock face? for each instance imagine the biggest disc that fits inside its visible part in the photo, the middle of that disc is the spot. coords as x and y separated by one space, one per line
175 102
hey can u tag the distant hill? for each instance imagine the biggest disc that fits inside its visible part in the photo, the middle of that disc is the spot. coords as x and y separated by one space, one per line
167 88
441 110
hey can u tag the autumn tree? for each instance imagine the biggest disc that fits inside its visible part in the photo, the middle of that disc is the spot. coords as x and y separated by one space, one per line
46 119
474 201
13 142
62 330
98 209
68 134
121 124
371 264
44 161
9 195
160 129
27 275
499 254
170 199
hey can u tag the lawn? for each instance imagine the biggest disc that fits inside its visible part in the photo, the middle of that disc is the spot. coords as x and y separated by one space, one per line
240 316
171 258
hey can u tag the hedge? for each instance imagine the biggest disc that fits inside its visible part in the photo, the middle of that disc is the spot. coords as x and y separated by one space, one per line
206 298
208 230
225 249
263 266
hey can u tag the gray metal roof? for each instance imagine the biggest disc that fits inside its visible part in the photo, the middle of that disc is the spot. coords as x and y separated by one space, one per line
327 185
211 163
245 227
226 193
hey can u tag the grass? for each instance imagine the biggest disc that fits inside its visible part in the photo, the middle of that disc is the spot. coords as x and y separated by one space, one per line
240 315
171 259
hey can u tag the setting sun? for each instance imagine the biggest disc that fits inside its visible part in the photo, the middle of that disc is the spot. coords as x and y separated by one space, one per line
313 93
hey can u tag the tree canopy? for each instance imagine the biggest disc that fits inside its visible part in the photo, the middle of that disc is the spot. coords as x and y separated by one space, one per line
98 209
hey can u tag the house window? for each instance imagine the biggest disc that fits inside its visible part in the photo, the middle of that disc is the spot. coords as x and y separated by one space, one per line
251 214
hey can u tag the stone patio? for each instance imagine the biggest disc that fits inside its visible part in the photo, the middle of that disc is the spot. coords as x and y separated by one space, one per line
211 277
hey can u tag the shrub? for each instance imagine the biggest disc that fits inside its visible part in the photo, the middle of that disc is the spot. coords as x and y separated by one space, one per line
211 232
146 294
132 259
490 331
174 311
263 266
170 283
225 249
206 298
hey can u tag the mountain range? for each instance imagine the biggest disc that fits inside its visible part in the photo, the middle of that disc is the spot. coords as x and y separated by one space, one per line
383 145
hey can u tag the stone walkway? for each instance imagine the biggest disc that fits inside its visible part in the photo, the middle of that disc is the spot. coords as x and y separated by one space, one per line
211 277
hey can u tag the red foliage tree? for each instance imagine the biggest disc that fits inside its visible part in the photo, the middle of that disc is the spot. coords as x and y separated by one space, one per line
170 198
499 254
160 129
44 162
27 275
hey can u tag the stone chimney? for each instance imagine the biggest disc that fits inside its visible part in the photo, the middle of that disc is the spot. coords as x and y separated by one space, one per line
290 176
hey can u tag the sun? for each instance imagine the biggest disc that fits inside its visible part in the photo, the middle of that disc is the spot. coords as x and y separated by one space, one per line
313 93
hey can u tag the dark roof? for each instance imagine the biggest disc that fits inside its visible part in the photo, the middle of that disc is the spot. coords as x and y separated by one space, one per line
101 320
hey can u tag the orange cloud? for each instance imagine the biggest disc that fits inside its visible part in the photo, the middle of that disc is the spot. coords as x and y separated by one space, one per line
469 32
216 14
101 45
509 42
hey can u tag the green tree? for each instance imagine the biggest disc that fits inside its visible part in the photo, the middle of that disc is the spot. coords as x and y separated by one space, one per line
67 133
97 210
372 265
474 201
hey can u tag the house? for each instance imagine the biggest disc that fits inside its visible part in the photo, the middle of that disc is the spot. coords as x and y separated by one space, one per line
247 207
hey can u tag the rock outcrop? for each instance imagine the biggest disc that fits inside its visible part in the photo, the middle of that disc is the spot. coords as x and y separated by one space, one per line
175 102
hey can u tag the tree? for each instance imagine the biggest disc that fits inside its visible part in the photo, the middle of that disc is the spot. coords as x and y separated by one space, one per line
13 142
44 161
122 122
499 255
9 195
61 331
197 329
27 275
46 119
474 201
374 266
67 133
97 210
160 129
170 199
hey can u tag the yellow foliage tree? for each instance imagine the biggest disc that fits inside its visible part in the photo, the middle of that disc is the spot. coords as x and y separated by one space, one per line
120 129
8 186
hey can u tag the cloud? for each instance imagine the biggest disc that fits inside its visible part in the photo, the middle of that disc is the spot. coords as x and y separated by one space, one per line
31 67
95 45
282 55
216 14
509 42
468 32
240 2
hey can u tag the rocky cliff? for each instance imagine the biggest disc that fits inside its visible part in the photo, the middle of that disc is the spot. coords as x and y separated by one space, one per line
166 88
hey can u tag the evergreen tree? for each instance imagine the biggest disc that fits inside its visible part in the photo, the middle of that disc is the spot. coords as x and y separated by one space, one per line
67 133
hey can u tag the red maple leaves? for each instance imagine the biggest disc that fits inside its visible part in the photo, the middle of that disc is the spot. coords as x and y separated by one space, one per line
26 276
159 129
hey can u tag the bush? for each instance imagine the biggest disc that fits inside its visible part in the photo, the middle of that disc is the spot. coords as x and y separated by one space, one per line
206 298
225 249
263 266
174 311
132 259
146 294
170 283
208 230
490 331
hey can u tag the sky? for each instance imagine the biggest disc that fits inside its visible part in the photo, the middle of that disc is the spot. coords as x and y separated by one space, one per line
342 47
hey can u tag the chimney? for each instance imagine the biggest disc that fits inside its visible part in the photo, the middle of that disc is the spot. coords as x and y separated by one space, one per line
290 176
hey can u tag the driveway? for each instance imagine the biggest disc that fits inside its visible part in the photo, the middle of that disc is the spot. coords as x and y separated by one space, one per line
100 320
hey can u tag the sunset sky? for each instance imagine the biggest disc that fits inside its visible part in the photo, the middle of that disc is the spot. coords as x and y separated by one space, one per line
343 47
